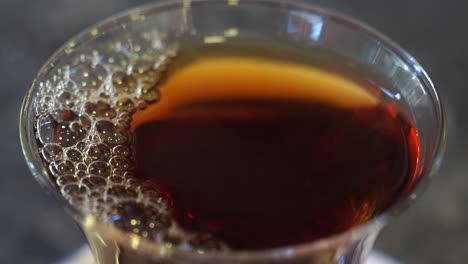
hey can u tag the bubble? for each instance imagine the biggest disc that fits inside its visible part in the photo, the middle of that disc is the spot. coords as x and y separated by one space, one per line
87 160
141 104
95 194
99 109
138 218
126 105
41 109
51 131
81 146
149 187
75 127
161 63
116 178
120 191
154 194
46 129
99 152
150 94
85 122
120 136
64 115
111 134
112 58
81 173
76 200
46 100
58 168
121 150
65 96
120 163
129 175
52 152
104 127
86 76
125 116
104 95
66 179
73 189
132 183
81 166
123 124
137 47
140 67
124 83
94 181
99 168
157 39
117 171
145 72
74 155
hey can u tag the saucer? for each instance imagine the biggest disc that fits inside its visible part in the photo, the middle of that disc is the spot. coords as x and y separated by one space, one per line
83 256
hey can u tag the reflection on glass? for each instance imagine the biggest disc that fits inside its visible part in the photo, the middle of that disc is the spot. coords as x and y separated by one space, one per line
306 24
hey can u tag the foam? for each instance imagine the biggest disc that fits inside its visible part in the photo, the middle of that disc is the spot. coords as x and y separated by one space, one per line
83 115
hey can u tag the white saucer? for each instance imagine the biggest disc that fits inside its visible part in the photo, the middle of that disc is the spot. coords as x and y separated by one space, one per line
83 256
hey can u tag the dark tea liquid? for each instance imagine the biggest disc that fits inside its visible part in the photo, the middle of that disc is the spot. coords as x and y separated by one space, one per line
265 153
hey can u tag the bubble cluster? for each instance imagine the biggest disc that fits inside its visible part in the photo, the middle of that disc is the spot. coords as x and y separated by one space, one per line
82 120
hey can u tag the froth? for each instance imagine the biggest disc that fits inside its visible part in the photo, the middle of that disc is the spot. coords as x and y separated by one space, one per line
83 114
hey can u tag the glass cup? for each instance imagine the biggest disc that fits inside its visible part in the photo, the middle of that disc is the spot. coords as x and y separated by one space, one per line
151 31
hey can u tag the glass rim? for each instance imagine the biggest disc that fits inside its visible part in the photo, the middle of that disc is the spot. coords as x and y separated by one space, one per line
369 227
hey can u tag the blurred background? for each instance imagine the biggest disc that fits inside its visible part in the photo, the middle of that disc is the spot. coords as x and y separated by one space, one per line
33 229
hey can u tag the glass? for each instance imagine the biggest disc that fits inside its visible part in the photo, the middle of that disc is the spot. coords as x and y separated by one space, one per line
167 22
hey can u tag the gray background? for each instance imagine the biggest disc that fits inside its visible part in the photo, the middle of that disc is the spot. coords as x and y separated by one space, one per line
33 229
